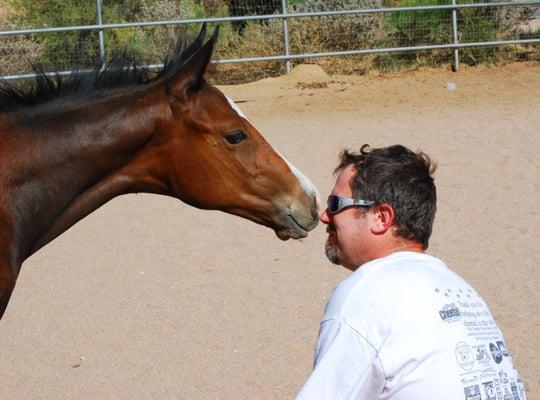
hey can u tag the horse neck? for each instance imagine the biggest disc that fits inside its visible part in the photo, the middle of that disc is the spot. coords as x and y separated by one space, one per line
75 162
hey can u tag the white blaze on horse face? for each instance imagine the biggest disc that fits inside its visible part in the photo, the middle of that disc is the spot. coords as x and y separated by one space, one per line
236 108
305 182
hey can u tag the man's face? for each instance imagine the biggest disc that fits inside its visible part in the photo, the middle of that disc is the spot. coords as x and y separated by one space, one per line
348 230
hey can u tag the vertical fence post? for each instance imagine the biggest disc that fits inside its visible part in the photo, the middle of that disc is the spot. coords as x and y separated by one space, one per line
455 32
286 34
101 35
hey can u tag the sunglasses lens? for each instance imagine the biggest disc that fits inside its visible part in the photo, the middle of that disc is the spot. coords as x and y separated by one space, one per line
333 203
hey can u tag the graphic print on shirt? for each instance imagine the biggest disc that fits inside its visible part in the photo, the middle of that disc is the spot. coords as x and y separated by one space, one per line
464 356
482 356
473 393
495 353
485 364
489 390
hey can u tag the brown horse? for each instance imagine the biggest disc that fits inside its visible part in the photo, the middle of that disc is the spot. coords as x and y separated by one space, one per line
67 146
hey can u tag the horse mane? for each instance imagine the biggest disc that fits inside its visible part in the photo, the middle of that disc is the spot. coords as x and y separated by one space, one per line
123 69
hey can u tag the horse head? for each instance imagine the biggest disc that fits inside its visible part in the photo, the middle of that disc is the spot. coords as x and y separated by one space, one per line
217 160
69 146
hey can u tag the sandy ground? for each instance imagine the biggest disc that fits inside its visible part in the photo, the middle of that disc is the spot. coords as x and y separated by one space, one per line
149 298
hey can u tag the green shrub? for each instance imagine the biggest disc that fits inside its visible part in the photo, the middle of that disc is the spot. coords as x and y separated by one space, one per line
413 28
259 38
66 49
63 50
490 24
41 14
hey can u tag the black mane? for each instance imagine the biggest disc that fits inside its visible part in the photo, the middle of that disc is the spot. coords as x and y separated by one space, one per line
122 70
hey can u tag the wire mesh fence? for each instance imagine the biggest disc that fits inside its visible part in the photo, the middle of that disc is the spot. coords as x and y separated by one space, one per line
267 33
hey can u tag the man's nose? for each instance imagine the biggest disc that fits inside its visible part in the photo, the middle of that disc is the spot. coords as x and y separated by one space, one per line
325 217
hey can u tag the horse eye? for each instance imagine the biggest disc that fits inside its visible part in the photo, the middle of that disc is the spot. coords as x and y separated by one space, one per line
236 137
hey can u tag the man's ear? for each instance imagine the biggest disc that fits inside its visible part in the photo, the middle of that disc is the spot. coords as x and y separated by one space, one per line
382 218
191 76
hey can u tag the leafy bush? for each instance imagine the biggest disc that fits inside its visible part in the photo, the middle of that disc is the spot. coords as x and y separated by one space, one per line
490 24
63 50
58 49
306 35
413 28
423 26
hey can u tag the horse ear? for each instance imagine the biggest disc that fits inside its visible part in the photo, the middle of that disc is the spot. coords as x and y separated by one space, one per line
191 76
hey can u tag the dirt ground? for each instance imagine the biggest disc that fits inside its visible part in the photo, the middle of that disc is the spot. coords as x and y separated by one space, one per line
149 298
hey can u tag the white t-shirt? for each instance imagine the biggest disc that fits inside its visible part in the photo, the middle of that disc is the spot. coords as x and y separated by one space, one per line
405 327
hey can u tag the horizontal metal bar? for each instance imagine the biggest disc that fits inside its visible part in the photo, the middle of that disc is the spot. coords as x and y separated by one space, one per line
322 55
381 50
265 17
134 25
33 75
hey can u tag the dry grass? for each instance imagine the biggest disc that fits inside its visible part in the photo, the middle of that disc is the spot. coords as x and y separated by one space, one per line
16 52
306 35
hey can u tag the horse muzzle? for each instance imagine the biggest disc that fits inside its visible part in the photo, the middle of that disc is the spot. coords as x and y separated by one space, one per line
295 224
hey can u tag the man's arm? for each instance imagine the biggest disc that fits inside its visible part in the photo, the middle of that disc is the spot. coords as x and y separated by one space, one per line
346 366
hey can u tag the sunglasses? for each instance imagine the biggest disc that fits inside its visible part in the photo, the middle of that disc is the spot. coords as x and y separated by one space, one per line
337 203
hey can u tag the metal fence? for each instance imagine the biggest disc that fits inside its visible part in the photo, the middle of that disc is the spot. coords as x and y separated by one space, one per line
311 29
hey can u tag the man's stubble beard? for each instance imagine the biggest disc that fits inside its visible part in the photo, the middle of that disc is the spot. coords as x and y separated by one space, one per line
330 247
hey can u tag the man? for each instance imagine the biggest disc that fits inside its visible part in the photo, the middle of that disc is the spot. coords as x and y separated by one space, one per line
402 326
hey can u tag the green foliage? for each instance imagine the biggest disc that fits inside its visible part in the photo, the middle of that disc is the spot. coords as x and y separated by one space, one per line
54 12
191 9
313 34
422 26
48 14
413 28
64 50
295 3
489 24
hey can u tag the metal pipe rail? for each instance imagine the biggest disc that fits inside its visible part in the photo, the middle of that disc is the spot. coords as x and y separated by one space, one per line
264 17
320 55
285 16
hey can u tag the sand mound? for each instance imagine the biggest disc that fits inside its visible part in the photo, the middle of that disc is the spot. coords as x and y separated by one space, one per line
308 73
304 75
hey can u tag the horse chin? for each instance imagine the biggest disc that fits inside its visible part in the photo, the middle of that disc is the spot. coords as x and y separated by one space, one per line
293 230
286 234
285 225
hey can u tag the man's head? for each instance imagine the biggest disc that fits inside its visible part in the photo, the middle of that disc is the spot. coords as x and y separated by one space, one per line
397 185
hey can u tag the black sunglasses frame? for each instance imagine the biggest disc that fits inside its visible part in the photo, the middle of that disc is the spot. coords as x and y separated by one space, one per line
335 203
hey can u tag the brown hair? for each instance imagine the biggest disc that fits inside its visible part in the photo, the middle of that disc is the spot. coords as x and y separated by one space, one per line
398 177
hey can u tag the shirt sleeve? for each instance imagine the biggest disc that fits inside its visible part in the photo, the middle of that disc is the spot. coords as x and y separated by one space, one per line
346 366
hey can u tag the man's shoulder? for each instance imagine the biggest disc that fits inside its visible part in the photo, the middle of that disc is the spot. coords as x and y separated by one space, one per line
403 277
395 270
